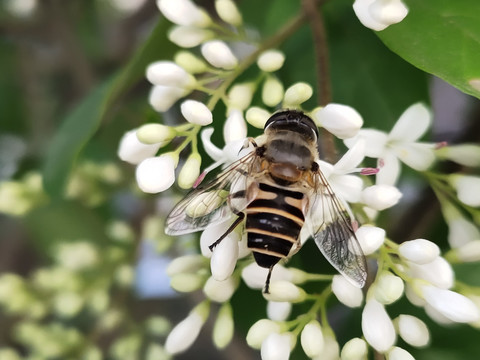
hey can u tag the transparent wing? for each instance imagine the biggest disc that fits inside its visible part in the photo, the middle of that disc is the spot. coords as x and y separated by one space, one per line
215 201
330 225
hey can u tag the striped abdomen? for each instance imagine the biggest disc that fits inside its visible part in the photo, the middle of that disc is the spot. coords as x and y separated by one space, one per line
274 221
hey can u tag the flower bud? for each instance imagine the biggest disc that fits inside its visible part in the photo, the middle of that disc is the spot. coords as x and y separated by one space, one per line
381 197
379 14
341 120
271 60
297 94
240 96
413 330
277 347
272 91
345 292
155 133
156 174
278 311
162 98
228 12
464 154
235 127
257 117
470 252
311 339
450 304
133 151
67 304
438 272
183 12
196 112
388 288
354 349
224 327
377 326
186 264
419 251
467 189
188 37
397 353
218 54
370 238
167 73
185 332
219 291
285 291
259 331
224 258
190 62
190 171
186 282
254 276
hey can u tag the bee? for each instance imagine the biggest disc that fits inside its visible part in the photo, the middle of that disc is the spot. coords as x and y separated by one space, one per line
277 189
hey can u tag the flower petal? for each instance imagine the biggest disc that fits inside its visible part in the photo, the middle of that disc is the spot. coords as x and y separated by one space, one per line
389 171
419 156
375 139
377 326
412 124
212 150
352 158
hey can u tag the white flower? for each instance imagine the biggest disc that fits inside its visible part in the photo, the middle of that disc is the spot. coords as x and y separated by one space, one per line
464 154
190 62
224 258
354 349
388 288
276 347
413 330
167 73
450 304
381 197
370 238
278 311
282 291
235 127
189 36
345 292
439 272
311 339
467 188
271 60
155 133
228 12
133 151
161 98
183 12
419 251
224 327
297 94
331 349
379 14
219 291
218 54
254 276
397 353
240 96
343 121
185 264
377 326
257 117
190 171
196 112
259 331
400 143
156 174
185 332
272 91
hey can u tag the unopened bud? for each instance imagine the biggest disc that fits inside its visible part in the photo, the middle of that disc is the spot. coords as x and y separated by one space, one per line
196 112
190 171
271 60
228 12
297 94
218 54
155 133
272 91
257 117
190 62
285 291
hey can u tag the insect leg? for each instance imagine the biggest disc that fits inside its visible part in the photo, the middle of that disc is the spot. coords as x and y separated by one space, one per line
267 282
237 221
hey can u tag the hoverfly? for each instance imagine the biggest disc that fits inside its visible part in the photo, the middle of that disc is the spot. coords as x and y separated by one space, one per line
277 189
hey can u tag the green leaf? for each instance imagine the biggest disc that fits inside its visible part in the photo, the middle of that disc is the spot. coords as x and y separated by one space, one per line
82 123
441 37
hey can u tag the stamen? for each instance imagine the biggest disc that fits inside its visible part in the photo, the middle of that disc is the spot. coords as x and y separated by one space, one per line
369 171
440 144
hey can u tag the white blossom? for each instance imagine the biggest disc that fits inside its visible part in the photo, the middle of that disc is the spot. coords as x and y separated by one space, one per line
400 144
162 98
470 252
196 112
413 330
185 264
388 288
438 272
464 154
235 127
379 14
419 251
189 36
224 258
272 91
467 187
460 230
155 133
450 304
254 276
345 292
219 291
183 12
227 11
190 171
278 311
397 353
133 151
370 238
240 96
218 54
224 327
311 339
297 94
277 347
377 326
354 349
259 331
190 62
381 197
156 174
167 73
343 121
281 290
271 60
257 117
185 332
